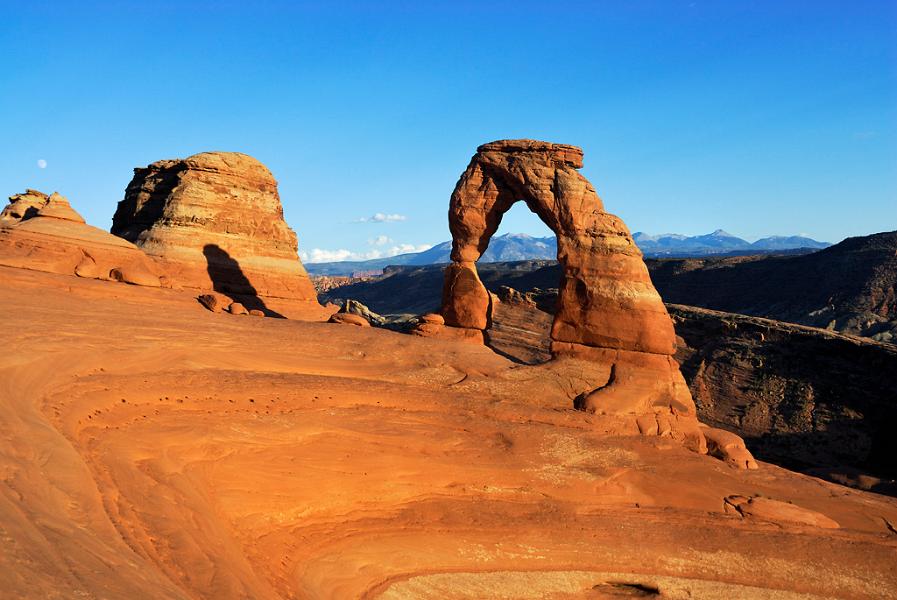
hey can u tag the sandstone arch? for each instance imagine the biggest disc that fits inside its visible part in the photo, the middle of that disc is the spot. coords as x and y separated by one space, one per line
608 311
606 296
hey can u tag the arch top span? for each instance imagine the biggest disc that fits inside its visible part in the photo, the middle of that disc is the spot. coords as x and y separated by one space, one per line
558 153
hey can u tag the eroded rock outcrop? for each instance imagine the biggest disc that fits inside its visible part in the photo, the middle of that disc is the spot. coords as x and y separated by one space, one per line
44 233
215 221
23 206
608 311
776 511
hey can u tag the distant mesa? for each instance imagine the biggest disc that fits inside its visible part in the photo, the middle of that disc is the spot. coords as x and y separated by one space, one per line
215 221
44 233
608 312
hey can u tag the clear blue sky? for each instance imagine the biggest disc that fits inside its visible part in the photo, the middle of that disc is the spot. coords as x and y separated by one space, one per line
759 118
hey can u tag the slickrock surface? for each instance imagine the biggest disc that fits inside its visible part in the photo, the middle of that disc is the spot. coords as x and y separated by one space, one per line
776 511
51 236
607 312
216 223
153 449
806 398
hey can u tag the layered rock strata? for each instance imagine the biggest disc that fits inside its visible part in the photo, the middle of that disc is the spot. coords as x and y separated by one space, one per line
608 311
23 206
216 222
805 398
850 287
44 233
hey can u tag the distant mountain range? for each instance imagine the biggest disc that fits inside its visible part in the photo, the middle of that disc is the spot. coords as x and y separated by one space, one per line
718 242
850 287
519 246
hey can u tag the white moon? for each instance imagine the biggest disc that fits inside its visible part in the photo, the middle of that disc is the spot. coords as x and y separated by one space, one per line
42 163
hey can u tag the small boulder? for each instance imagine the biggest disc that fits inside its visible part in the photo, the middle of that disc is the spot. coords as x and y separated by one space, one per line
349 319
728 447
256 313
135 275
355 307
214 302
434 318
236 308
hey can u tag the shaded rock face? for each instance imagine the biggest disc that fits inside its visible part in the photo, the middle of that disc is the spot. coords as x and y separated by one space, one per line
44 233
215 221
802 397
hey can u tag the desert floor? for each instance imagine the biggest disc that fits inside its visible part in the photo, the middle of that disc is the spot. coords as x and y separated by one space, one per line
152 449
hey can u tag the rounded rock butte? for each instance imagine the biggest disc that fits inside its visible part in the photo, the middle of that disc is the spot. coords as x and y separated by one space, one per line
215 221
43 232
608 311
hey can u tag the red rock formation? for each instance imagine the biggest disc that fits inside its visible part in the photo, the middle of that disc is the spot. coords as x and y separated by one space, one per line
347 318
44 233
608 311
776 511
606 296
215 221
23 206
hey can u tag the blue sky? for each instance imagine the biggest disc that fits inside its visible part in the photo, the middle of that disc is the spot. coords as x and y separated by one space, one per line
759 118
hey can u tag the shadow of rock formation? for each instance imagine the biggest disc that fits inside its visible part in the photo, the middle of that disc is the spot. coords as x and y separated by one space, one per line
228 279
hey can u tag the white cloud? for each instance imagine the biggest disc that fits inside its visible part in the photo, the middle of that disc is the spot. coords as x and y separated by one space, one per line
382 218
41 163
380 240
319 255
